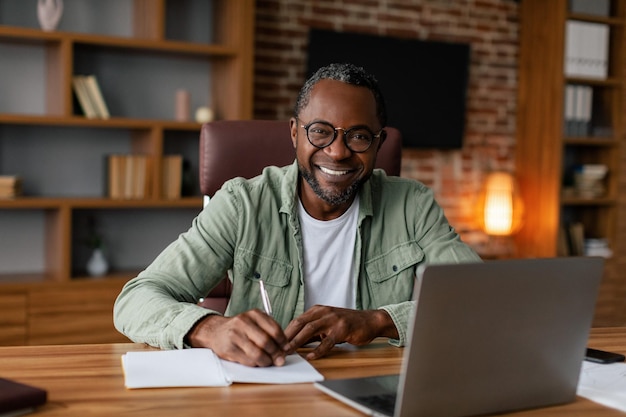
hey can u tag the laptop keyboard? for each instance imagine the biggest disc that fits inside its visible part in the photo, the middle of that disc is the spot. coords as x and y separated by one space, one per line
384 403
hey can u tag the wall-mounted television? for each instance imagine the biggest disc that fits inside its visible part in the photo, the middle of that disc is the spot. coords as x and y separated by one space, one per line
424 82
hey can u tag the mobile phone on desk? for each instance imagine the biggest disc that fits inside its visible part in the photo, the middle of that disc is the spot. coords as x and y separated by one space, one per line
602 356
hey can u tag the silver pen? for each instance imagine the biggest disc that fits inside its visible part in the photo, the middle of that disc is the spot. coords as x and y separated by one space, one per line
265 298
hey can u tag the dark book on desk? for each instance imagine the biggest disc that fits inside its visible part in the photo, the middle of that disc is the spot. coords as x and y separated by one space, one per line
16 397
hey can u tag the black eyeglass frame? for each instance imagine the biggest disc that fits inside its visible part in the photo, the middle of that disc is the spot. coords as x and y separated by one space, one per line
345 134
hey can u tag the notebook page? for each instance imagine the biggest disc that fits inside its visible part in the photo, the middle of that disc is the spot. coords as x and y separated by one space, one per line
173 368
295 370
201 367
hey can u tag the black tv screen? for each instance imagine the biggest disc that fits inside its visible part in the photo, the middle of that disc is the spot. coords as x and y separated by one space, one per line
424 82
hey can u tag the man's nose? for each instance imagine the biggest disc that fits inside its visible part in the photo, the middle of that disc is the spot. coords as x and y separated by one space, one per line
338 149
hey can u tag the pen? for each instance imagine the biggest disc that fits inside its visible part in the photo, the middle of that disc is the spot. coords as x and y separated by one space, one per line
266 299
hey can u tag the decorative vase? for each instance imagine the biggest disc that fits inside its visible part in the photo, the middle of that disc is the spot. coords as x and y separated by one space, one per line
97 265
49 13
183 104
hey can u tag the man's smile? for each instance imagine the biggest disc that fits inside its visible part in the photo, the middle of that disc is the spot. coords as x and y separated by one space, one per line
334 172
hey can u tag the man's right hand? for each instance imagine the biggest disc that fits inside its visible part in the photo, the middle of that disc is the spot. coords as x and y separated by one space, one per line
251 338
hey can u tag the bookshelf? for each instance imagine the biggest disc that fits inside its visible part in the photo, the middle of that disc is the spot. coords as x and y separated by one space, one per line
142 52
549 153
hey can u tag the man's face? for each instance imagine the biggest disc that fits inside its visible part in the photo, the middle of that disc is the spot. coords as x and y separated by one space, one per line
332 175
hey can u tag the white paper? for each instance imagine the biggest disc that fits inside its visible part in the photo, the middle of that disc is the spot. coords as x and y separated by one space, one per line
295 370
173 368
202 367
604 384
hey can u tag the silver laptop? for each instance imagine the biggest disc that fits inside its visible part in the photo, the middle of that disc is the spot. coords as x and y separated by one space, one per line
487 338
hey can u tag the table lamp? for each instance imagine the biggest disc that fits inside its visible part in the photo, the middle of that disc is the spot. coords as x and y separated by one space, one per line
500 212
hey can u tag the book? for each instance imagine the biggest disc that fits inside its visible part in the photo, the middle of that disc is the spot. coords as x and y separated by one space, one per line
577 239
129 176
172 178
17 398
10 186
90 97
201 367
84 99
114 176
583 109
569 110
93 88
578 109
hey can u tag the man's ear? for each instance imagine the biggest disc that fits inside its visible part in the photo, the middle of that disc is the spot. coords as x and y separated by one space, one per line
383 136
293 127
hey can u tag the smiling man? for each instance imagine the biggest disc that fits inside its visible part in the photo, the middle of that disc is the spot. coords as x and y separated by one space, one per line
336 243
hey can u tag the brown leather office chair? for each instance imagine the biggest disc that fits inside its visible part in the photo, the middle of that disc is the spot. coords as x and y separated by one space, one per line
242 148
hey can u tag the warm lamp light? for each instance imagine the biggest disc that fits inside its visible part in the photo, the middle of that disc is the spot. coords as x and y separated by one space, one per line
501 208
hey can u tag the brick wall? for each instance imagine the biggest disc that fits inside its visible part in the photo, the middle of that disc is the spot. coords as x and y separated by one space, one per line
490 26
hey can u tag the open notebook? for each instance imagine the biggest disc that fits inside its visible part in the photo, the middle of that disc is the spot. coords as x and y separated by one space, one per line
487 338
202 367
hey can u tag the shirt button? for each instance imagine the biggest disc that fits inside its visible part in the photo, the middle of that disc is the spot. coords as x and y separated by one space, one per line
395 268
257 275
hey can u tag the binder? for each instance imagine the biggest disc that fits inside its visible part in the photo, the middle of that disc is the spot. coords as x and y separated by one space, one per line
586 49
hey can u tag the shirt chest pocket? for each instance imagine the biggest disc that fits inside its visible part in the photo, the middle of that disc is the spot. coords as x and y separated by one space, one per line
248 269
391 276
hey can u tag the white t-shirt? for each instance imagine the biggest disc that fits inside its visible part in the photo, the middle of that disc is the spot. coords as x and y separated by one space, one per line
329 277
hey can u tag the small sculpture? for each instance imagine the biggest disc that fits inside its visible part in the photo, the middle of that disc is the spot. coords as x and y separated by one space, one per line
49 13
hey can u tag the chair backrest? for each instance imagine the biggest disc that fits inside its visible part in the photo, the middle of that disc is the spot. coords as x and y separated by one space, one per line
242 148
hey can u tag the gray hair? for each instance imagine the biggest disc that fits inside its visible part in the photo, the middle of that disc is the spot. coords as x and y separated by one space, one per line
349 74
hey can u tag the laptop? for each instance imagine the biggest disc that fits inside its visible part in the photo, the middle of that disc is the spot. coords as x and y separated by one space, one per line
487 338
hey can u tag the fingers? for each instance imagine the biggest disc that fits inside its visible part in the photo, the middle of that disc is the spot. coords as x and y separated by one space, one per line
327 324
303 329
334 325
325 346
252 338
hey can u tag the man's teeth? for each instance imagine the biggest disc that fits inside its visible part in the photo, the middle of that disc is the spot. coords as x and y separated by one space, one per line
332 171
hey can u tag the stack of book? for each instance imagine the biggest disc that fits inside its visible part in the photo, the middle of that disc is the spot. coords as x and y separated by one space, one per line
172 176
10 186
573 242
90 97
589 180
129 176
598 247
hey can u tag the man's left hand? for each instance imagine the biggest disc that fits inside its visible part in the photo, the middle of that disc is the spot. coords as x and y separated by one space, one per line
332 325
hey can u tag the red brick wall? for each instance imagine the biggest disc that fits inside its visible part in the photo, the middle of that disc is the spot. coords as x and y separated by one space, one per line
490 26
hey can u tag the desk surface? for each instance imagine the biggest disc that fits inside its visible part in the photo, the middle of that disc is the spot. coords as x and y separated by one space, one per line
88 380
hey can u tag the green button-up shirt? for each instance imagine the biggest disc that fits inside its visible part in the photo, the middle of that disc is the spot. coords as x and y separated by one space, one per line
251 230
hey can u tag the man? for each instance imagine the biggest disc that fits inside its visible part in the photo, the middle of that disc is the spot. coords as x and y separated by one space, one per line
335 243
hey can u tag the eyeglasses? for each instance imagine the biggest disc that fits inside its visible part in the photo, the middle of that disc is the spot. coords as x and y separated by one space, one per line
357 139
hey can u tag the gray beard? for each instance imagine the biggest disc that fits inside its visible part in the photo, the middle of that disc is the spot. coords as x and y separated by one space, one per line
334 199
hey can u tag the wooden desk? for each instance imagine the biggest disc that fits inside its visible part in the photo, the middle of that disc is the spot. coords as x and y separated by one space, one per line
87 380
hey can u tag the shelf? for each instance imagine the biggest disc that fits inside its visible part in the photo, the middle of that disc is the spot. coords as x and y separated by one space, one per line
580 201
591 141
606 82
86 203
548 159
609 20
112 123
28 35
13 282
141 52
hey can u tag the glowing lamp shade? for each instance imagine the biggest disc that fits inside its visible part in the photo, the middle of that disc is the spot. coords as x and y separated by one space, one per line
501 209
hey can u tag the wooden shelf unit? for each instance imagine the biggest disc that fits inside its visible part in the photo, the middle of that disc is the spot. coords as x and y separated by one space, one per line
544 153
203 46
